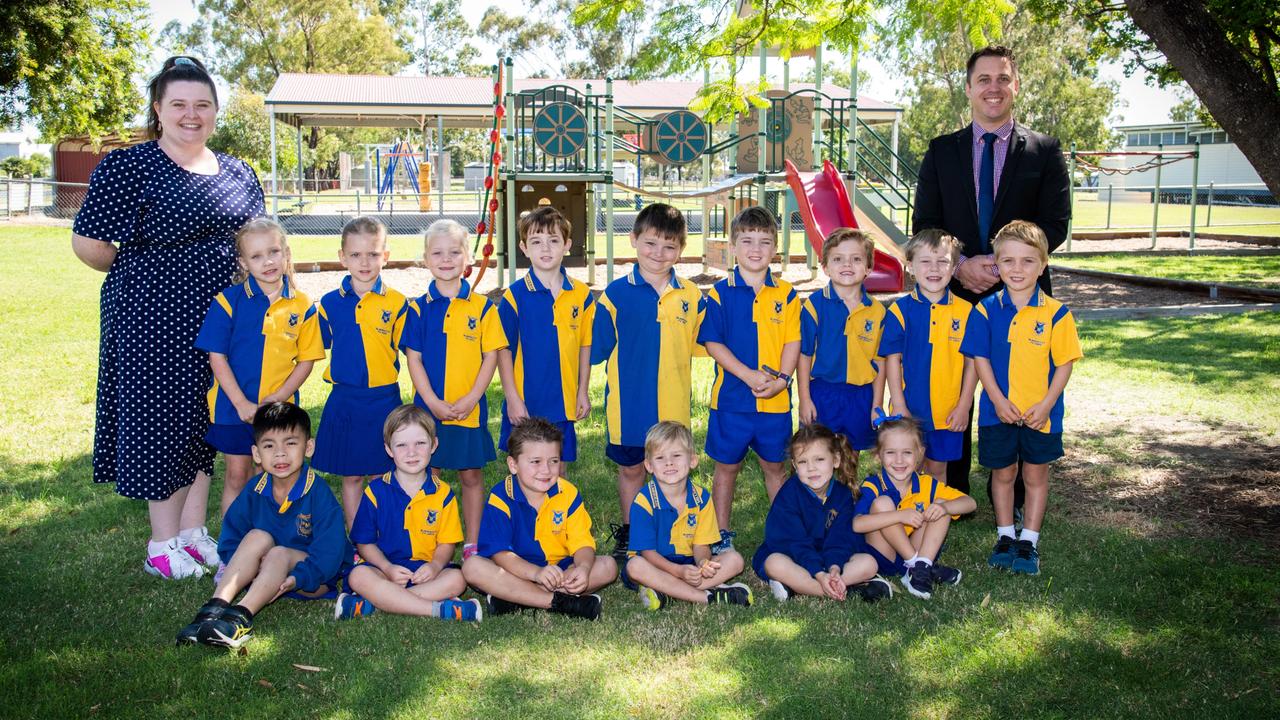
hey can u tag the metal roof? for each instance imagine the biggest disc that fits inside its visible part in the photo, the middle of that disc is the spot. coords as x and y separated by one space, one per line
407 101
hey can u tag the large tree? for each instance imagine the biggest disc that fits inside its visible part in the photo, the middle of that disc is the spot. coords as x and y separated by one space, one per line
70 65
545 33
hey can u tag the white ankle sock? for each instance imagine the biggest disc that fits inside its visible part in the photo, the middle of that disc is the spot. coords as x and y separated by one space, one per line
1032 535
158 547
1006 531
186 536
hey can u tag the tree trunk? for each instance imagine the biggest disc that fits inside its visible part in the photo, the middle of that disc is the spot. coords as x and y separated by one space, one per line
1232 90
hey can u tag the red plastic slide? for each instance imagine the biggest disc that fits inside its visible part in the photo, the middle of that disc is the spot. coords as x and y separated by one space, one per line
824 205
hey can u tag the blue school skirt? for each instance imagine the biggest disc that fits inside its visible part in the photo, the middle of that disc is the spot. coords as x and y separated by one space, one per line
349 441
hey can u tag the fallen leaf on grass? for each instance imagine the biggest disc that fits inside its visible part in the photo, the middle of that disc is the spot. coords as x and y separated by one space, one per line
266 684
242 651
310 668
986 600
303 687
94 709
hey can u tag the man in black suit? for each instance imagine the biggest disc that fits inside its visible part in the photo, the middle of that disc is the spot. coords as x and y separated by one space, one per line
977 179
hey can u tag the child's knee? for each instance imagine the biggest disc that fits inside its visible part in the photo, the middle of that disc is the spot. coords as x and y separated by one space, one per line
731 561
605 568
777 563
477 568
471 478
453 581
883 504
861 567
279 556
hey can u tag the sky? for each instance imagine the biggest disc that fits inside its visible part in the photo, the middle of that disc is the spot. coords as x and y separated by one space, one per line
1141 103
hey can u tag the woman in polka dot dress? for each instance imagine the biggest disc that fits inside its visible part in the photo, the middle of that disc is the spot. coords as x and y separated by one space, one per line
160 219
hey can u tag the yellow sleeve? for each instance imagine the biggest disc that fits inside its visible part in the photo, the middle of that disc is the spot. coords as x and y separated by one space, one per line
310 345
492 336
708 530
944 493
1065 345
588 319
450 523
791 321
578 530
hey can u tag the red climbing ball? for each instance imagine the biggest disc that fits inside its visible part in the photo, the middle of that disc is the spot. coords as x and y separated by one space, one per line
493 205
481 227
488 183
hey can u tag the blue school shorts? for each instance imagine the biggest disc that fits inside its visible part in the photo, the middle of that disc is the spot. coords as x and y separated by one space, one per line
568 451
625 455
943 445
730 434
349 439
1004 444
231 439
630 584
845 409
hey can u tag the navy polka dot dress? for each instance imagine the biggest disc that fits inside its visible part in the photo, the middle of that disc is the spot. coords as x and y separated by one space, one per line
176 236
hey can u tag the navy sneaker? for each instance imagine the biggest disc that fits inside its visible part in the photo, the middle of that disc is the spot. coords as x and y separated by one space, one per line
946 575
233 628
918 580
586 607
350 605
1026 558
211 610
1002 553
621 536
877 588
498 606
726 542
735 594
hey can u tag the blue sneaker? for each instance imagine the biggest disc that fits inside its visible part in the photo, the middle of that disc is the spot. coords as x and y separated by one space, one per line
918 580
464 610
1002 553
1026 558
726 542
350 605
946 575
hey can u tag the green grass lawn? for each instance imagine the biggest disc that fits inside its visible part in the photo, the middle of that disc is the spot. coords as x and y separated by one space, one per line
1121 623
1252 270
1090 213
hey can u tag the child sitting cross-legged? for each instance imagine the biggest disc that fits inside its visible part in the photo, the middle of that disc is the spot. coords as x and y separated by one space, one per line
406 529
283 534
536 549
673 525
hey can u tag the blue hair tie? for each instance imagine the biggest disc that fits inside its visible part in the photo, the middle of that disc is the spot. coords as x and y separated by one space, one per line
881 419
183 61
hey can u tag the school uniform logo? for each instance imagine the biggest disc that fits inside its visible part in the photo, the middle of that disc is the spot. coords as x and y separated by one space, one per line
831 517
293 319
777 308
955 325
574 314
431 517
866 327
557 517
386 316
1039 328
471 322
304 525
692 520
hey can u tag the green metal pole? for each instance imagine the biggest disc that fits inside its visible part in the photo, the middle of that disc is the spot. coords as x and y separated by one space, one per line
1208 212
1111 193
762 138
510 230
608 178
275 178
817 107
1071 185
853 126
1155 210
786 192
593 163
1195 185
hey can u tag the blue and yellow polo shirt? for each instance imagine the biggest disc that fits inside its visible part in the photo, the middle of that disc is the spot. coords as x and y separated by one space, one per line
363 334
755 326
928 335
844 345
672 531
407 529
262 340
547 334
924 491
453 334
542 536
649 340
1025 347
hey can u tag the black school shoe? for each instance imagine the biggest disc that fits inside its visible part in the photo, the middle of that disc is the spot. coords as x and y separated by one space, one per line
498 606
735 594
586 607
231 629
621 537
211 610
877 588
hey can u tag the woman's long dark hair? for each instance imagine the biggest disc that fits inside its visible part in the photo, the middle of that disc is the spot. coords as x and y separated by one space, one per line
175 69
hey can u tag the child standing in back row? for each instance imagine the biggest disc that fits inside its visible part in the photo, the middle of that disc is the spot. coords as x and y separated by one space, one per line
361 323
452 340
262 336
546 317
1023 344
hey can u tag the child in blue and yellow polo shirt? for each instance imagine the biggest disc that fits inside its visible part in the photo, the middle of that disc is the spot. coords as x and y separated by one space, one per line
927 376
405 531
361 323
546 317
1023 344
536 549
752 330
262 337
283 534
452 339
646 330
673 526
841 377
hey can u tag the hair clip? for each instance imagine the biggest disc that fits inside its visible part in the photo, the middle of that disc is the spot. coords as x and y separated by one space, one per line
184 61
881 418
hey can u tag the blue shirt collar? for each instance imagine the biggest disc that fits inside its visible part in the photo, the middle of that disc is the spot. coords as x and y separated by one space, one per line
533 284
433 294
1035 301
429 486
814 493
517 492
346 287
829 292
252 288
637 279
736 279
659 500
920 297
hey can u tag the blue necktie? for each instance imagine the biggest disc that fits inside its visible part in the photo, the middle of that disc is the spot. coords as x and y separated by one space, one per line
986 189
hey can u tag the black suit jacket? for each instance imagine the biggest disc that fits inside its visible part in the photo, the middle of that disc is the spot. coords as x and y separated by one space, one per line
1034 186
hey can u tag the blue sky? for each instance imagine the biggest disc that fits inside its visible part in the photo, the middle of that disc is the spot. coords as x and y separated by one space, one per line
1145 104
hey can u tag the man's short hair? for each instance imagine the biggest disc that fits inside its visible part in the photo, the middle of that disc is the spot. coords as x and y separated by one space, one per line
544 219
280 416
753 218
1025 232
933 239
662 219
667 432
989 51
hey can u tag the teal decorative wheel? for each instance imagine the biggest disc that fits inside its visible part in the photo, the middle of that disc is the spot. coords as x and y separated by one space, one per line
560 129
778 127
681 137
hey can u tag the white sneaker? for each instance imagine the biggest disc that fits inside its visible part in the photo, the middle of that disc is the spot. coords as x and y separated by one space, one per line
173 563
780 591
203 548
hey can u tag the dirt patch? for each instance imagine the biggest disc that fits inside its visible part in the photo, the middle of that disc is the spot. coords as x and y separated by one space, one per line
1085 292
1139 244
1170 476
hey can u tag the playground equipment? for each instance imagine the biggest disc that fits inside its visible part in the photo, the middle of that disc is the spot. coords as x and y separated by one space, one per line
560 145
1093 160
420 182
